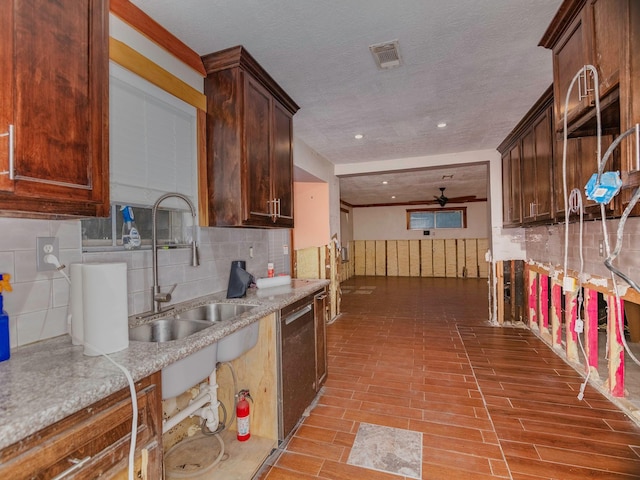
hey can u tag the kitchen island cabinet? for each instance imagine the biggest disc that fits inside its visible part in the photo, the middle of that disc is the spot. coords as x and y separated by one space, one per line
95 441
249 143
54 108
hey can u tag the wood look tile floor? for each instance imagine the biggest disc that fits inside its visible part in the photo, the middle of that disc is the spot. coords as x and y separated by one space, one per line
491 403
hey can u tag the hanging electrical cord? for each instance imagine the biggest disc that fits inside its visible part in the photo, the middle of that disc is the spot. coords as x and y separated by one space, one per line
53 260
596 84
573 203
611 256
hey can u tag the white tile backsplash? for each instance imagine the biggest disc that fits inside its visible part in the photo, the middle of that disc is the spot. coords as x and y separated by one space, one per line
545 244
38 306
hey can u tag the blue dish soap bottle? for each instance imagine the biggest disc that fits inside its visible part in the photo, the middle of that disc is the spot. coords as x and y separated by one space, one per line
5 345
130 235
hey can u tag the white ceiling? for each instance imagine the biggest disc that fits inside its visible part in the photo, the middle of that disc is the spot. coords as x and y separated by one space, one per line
473 64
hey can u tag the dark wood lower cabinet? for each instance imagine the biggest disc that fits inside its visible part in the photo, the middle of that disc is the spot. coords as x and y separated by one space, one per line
94 442
321 315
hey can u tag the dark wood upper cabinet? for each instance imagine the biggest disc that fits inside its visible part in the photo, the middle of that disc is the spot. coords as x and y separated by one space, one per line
605 34
527 166
54 102
511 187
249 143
581 165
589 32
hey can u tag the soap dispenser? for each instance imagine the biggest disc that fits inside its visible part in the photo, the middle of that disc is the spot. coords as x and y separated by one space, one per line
5 346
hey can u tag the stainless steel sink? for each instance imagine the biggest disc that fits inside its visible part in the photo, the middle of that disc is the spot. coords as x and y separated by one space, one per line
236 344
186 372
215 312
167 329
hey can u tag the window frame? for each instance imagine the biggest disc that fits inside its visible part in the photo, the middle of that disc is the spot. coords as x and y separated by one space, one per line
463 210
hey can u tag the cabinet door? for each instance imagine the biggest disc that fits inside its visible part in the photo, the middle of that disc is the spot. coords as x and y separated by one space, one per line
588 165
56 99
99 435
543 166
581 165
511 175
321 316
257 135
282 168
506 190
571 169
606 18
569 56
528 177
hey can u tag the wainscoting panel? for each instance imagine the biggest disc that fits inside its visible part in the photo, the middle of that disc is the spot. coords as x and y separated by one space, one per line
452 258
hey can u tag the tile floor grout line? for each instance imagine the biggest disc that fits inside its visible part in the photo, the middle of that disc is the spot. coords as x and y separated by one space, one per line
484 401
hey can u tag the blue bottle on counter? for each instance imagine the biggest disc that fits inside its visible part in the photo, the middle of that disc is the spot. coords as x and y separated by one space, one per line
5 346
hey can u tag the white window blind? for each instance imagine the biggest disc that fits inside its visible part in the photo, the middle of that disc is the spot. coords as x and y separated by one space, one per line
152 142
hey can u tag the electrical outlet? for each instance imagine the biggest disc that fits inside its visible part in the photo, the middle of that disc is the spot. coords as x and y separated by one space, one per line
601 249
285 249
46 246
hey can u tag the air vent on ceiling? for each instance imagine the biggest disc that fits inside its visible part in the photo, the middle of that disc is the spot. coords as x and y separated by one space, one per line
386 55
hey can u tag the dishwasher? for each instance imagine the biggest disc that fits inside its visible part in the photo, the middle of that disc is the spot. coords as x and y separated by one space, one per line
296 359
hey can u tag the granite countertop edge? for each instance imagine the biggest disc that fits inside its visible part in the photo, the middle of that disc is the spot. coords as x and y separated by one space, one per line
47 381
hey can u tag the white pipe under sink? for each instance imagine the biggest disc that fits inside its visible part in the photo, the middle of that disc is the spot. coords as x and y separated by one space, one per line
208 395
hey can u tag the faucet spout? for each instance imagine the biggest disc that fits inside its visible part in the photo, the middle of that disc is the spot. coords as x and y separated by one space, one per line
157 298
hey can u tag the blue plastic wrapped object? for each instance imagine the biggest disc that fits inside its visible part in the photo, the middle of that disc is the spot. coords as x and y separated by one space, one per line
5 345
609 186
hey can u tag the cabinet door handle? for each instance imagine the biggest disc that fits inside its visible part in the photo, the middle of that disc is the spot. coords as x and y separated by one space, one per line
583 84
77 465
11 135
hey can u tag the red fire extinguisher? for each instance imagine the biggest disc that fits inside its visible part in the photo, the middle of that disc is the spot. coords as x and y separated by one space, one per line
242 414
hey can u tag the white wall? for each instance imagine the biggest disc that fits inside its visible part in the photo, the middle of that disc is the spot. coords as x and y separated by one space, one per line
346 225
390 223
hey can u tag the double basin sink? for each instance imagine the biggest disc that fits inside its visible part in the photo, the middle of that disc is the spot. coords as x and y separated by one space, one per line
185 373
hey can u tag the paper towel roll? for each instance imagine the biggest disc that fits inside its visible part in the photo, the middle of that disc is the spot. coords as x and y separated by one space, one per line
104 308
77 327
273 281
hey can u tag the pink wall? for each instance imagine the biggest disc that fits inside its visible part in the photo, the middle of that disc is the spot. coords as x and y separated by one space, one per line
311 204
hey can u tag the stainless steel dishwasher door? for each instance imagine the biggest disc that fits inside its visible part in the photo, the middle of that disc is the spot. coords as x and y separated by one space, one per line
297 363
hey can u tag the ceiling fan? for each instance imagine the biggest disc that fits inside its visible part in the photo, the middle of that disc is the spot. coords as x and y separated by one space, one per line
442 200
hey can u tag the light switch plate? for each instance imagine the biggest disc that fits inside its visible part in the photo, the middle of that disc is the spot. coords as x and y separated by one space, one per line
45 246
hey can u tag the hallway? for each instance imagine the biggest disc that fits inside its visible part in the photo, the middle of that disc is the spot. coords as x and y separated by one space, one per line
418 354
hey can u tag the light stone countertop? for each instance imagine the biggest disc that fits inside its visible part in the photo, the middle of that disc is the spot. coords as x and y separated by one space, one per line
47 381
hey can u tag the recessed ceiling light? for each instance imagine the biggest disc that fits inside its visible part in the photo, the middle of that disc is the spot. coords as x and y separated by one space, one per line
393 196
359 136
442 124
385 182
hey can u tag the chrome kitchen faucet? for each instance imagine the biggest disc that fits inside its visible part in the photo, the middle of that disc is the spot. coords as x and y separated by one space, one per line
157 298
